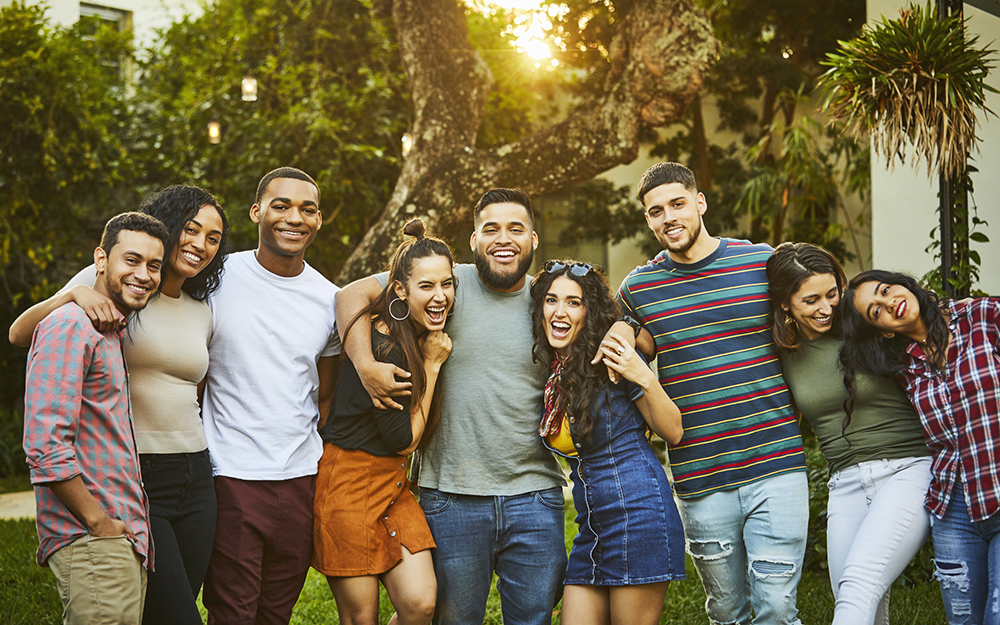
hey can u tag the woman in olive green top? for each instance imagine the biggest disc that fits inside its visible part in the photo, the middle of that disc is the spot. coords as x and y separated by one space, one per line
867 429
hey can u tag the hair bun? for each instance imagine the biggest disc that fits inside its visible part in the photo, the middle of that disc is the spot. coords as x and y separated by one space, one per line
415 228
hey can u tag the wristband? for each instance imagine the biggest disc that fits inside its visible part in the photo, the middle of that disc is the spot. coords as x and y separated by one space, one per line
632 323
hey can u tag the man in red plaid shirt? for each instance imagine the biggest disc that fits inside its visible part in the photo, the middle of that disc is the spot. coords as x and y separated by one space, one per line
92 513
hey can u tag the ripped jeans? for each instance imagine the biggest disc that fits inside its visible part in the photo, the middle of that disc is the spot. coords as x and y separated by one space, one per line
967 556
747 545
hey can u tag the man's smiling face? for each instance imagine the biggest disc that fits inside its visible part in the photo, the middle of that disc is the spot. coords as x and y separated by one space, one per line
288 217
504 245
674 213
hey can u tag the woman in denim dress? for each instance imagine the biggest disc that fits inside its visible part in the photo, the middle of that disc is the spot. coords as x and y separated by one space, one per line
630 542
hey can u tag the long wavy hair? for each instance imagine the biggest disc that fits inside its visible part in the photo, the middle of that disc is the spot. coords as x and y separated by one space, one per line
790 266
581 382
175 206
867 349
402 333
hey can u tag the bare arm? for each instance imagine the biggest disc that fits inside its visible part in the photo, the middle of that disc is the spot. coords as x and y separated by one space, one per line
100 309
624 331
327 368
436 347
74 495
378 378
660 412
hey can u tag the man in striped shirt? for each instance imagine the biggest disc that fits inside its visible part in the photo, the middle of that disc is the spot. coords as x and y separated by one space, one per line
739 471
92 514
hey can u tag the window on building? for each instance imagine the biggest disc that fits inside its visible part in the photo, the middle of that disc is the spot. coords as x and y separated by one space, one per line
94 16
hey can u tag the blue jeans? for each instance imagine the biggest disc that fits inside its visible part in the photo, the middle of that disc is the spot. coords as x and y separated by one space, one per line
520 537
747 545
967 556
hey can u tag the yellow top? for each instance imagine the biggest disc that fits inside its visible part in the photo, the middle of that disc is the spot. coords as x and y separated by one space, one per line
563 441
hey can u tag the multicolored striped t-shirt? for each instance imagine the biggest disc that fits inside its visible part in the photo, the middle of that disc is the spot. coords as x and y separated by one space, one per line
719 364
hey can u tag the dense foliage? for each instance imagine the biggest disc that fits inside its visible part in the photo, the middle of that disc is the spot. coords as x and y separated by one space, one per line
331 101
64 160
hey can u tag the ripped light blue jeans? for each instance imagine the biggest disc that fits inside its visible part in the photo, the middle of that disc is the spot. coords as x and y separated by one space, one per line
747 545
967 555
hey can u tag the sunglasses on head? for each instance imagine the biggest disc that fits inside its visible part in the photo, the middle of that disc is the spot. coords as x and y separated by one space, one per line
577 269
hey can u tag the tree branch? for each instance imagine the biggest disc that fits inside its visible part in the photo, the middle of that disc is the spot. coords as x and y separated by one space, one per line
658 60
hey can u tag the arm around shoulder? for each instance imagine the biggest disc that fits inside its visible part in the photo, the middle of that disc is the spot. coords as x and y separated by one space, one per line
100 309
379 379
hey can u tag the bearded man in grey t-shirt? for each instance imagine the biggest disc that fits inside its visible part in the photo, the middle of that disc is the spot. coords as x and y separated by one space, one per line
491 491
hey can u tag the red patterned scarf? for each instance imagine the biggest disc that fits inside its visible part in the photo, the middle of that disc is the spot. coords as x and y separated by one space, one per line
554 410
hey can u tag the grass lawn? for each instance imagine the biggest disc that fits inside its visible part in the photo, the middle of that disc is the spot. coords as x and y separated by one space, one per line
28 592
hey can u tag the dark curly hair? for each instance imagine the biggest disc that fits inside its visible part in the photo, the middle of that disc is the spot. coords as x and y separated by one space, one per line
401 331
581 381
867 349
175 206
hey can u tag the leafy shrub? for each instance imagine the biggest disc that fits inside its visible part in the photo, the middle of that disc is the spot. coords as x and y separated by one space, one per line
11 452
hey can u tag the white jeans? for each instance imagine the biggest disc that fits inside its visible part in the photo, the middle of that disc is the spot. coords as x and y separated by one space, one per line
876 523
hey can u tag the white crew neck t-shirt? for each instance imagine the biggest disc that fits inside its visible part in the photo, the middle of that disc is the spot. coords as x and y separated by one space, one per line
261 402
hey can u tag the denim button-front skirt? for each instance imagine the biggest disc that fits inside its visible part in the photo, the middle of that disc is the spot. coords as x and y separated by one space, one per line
630 531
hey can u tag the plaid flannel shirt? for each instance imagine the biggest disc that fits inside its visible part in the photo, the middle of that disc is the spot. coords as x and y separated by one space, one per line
77 421
960 409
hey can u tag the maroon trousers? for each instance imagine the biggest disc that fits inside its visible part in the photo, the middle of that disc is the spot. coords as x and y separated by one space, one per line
260 558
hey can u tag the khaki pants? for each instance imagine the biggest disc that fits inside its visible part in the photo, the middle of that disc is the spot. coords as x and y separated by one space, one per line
101 581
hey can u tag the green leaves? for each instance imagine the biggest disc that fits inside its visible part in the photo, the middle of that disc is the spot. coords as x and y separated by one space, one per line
913 82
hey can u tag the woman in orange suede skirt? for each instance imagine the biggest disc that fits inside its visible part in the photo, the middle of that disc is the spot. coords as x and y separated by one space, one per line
368 527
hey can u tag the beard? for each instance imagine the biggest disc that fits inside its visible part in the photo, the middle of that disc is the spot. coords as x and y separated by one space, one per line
122 300
502 281
681 246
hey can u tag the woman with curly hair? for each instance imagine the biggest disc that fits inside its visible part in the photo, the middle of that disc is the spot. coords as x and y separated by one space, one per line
947 355
368 527
867 429
630 542
166 352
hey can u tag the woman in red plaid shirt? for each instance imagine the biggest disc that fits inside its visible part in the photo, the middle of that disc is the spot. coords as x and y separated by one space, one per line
947 355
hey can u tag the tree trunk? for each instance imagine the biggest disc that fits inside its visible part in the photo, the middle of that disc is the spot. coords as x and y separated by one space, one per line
658 59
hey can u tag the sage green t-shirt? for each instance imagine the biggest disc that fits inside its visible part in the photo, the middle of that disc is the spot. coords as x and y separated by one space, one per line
487 441
883 424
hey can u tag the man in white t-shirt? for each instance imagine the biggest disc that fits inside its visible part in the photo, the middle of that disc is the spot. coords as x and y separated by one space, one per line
272 373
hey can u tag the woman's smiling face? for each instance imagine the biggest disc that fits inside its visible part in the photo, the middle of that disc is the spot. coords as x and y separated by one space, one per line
812 305
563 312
891 308
429 292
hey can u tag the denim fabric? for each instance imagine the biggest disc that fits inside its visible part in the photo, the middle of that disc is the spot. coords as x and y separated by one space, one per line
182 518
967 555
876 523
630 531
520 537
747 545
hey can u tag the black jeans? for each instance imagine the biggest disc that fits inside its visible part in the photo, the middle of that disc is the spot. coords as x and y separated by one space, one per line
182 518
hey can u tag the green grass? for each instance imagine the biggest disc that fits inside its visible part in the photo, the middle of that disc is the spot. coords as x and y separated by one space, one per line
28 592
14 483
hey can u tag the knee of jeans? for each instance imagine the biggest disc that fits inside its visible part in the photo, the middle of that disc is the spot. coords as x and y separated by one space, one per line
763 569
708 550
952 575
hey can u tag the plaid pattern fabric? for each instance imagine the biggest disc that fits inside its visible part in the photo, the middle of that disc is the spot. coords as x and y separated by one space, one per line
960 409
77 421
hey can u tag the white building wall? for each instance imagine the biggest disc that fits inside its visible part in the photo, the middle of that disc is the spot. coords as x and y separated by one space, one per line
904 201
148 16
